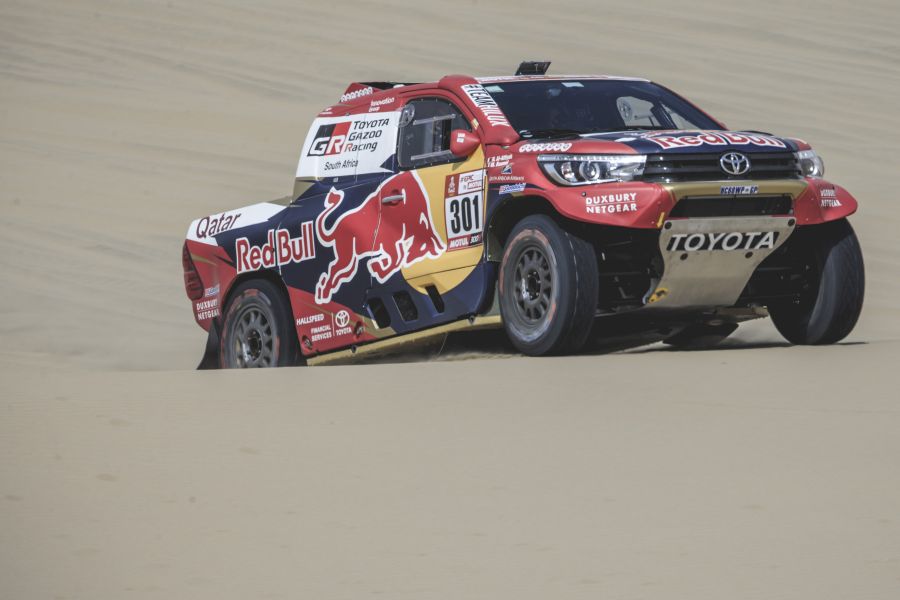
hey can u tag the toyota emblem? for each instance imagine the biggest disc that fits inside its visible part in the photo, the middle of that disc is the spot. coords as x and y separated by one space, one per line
734 163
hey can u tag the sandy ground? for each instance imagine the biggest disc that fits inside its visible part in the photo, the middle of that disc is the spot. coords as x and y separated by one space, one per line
755 471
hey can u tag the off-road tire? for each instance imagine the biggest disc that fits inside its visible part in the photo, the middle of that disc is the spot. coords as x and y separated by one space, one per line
828 310
548 287
258 330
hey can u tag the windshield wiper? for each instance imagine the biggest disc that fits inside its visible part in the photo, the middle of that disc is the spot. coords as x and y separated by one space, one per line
550 133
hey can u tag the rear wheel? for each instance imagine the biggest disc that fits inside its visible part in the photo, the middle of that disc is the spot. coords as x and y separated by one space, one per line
829 305
258 329
548 287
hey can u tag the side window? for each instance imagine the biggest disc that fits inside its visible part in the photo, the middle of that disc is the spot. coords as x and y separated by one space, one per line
425 126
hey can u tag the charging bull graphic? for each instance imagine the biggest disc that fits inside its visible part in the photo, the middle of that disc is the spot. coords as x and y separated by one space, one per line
399 214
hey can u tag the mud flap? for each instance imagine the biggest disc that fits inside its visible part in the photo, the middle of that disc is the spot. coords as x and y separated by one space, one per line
210 358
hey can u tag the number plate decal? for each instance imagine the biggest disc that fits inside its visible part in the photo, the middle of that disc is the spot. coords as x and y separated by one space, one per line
464 209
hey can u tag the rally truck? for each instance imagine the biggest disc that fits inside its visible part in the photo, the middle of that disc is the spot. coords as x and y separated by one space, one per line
562 209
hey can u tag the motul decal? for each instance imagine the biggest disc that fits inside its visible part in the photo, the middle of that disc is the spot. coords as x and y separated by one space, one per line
280 249
351 242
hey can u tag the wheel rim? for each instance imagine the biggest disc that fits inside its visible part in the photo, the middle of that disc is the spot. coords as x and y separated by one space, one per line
254 342
533 281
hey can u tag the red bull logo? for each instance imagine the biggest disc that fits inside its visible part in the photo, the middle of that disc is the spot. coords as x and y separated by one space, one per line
279 249
400 215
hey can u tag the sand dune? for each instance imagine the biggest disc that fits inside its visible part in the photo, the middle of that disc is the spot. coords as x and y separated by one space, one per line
755 471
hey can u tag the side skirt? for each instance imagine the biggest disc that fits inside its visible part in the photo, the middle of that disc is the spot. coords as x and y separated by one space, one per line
404 342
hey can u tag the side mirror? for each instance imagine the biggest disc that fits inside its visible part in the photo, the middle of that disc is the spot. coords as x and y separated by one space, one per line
463 143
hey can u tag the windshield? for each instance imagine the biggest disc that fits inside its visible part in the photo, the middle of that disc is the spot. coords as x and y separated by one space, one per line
560 108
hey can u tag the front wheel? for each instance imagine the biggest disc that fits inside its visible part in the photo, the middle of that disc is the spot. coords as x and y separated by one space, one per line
548 287
829 306
258 330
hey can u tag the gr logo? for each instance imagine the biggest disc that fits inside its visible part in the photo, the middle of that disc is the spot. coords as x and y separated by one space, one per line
329 139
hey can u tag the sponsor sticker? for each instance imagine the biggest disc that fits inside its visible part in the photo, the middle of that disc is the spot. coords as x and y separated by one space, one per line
463 209
463 183
546 147
366 91
206 229
215 224
280 249
714 138
463 215
341 146
506 178
342 323
321 332
376 105
501 160
828 198
725 241
611 203
309 320
738 190
485 103
512 188
207 309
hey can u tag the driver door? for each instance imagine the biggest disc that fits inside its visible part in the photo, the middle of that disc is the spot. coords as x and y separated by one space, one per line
446 240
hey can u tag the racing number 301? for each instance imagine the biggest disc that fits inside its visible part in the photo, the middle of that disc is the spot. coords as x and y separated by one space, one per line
464 214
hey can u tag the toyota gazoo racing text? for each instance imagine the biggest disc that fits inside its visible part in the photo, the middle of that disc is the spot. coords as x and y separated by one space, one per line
567 210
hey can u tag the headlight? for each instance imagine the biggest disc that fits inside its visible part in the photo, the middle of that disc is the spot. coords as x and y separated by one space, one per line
811 164
585 169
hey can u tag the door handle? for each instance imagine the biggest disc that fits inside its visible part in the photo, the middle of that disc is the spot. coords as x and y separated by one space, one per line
392 199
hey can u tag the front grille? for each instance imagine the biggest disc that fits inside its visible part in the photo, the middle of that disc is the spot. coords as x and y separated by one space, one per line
733 206
668 168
